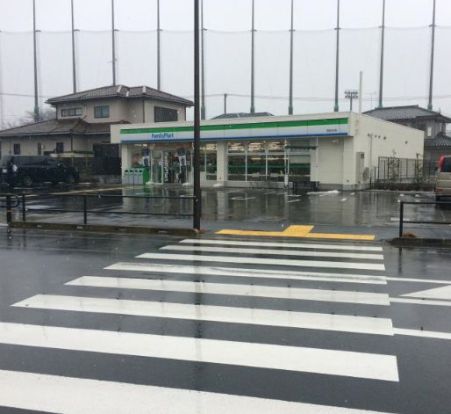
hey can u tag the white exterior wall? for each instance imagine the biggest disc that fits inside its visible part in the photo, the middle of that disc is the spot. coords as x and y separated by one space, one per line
378 138
29 145
130 110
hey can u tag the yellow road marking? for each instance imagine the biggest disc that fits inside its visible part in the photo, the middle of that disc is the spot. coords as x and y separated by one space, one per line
299 232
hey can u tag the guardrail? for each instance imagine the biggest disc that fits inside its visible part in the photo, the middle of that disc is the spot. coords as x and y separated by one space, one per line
401 214
21 201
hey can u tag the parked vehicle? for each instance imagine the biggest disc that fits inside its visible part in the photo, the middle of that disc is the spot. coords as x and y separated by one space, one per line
443 183
17 170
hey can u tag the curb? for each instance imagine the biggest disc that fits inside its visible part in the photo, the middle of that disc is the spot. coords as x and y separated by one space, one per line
414 242
104 228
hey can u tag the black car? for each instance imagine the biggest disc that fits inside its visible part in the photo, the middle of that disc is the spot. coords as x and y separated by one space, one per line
17 170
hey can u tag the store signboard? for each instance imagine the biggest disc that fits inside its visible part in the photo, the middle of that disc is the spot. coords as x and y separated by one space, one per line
242 131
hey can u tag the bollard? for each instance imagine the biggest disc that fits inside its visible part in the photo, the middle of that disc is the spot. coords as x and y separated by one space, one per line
401 219
24 209
9 213
85 209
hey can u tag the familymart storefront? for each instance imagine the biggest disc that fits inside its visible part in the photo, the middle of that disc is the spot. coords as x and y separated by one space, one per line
235 152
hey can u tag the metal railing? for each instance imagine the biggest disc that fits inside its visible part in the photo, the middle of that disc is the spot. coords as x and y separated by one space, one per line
401 214
21 202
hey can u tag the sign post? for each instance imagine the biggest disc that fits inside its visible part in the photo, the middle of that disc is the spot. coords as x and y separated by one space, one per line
196 158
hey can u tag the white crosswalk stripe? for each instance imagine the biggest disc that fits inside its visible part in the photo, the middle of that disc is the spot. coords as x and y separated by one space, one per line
274 292
212 295
252 316
247 273
323 361
80 396
264 261
313 246
297 253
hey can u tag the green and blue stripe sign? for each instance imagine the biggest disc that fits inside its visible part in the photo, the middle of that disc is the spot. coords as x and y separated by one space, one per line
243 131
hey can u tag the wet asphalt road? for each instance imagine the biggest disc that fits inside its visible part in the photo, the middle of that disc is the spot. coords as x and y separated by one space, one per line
393 325
374 212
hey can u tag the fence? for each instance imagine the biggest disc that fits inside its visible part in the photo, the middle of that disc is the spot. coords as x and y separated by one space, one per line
227 57
402 219
394 171
78 208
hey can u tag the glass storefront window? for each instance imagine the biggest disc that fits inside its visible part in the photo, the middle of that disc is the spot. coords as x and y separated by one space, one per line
276 146
236 147
211 165
256 147
209 161
256 167
276 167
237 167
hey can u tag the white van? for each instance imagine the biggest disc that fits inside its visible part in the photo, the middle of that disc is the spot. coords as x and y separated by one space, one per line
443 183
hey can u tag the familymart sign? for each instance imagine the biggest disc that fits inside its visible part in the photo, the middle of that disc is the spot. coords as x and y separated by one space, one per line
243 131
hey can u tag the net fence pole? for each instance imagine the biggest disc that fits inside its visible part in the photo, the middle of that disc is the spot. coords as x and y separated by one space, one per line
290 103
2 111
36 114
158 46
381 70
253 59
113 43
337 58
74 63
431 72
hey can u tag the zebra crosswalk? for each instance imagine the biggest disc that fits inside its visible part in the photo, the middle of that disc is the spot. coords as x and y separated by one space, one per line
227 324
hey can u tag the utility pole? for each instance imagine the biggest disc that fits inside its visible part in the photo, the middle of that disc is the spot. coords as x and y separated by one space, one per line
225 103
202 109
337 58
290 103
381 70
253 59
113 42
35 67
196 159
74 63
431 75
158 47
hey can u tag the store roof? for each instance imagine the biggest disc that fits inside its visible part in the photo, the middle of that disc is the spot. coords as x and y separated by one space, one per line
120 91
406 113
242 115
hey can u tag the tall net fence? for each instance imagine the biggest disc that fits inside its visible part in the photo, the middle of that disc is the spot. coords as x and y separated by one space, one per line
227 58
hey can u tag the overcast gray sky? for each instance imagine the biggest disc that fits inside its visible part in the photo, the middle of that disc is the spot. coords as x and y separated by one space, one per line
219 14
228 55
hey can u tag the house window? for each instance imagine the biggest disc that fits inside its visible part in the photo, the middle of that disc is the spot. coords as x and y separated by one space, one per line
68 112
39 148
165 114
59 147
102 111
16 149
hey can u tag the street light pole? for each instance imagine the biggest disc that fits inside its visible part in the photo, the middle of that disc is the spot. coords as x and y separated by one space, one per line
351 94
196 157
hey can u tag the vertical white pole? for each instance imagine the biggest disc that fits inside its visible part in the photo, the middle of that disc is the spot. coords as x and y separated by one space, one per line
360 91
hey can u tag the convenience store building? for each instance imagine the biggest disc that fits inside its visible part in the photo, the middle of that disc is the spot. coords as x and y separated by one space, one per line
335 150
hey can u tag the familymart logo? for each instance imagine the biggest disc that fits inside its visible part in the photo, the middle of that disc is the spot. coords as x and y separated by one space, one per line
163 135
